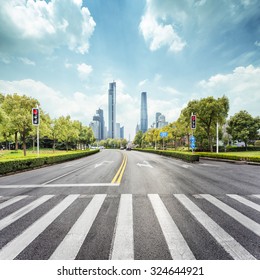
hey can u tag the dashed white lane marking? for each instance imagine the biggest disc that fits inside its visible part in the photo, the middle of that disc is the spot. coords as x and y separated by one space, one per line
245 201
177 245
236 251
17 245
70 246
242 219
123 245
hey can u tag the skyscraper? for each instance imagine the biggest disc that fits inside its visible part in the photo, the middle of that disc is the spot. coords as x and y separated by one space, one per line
100 113
157 115
112 110
144 116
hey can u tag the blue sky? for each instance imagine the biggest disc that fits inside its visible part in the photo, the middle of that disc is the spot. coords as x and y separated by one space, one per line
65 52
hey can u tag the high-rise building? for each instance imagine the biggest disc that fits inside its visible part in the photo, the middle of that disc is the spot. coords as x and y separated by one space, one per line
117 131
161 121
112 110
100 113
157 115
137 128
144 116
122 132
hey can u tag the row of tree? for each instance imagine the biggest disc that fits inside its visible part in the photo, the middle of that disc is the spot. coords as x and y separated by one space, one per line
16 124
209 111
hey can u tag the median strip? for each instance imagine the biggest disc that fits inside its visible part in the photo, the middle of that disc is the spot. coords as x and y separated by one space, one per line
118 177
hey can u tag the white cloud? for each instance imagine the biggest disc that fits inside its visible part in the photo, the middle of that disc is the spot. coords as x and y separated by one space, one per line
159 34
28 25
241 87
27 61
142 83
257 43
84 70
77 105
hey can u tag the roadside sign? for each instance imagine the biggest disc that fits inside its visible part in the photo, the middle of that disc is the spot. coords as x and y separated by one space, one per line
163 134
192 139
192 145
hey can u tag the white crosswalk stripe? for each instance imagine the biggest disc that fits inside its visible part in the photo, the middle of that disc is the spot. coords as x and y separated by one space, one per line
177 245
12 201
123 245
13 248
245 201
23 211
224 239
123 232
242 219
79 231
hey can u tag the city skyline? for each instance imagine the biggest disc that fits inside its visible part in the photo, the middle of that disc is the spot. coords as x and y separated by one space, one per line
64 53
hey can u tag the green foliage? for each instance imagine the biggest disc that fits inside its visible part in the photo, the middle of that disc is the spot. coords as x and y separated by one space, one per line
242 126
230 157
8 166
209 111
180 155
138 138
257 143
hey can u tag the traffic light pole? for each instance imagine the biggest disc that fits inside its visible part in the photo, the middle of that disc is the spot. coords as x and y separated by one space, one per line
38 144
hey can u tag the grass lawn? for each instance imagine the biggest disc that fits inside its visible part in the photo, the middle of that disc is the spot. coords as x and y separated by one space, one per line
240 154
7 155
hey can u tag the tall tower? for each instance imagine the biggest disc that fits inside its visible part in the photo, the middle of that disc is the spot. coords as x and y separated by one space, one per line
157 115
112 110
144 117
100 113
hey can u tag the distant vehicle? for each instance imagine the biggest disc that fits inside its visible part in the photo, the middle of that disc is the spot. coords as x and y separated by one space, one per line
122 148
128 148
239 144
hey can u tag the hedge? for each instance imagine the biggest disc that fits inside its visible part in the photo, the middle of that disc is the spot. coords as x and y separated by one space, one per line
230 157
180 155
30 163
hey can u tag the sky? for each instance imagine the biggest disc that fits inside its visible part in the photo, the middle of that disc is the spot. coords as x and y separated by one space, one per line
64 53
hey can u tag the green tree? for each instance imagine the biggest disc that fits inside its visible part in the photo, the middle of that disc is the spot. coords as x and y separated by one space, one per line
209 111
19 111
67 131
242 126
138 138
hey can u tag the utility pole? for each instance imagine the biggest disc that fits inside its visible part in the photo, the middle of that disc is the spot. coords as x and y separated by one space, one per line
217 139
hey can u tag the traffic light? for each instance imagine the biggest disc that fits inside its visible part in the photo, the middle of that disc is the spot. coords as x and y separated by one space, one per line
35 116
193 121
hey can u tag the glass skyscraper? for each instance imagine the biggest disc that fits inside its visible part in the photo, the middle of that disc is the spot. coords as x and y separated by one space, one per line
112 110
144 116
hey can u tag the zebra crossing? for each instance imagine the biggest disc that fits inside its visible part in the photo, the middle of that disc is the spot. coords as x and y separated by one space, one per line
71 226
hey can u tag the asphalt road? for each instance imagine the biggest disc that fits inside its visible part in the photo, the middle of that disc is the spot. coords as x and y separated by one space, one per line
131 205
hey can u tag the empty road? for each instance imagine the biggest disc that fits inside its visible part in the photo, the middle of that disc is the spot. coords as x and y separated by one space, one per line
131 205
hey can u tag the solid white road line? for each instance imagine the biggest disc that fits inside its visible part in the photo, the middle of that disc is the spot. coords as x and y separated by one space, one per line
123 245
242 219
177 245
245 201
236 251
23 211
12 201
58 185
70 246
17 245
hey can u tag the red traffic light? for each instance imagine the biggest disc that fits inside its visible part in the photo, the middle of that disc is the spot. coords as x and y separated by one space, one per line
35 116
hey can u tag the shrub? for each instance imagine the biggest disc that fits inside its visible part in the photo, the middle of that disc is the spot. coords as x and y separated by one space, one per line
30 163
180 155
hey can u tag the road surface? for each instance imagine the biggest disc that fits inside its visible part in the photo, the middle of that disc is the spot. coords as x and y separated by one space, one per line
131 205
